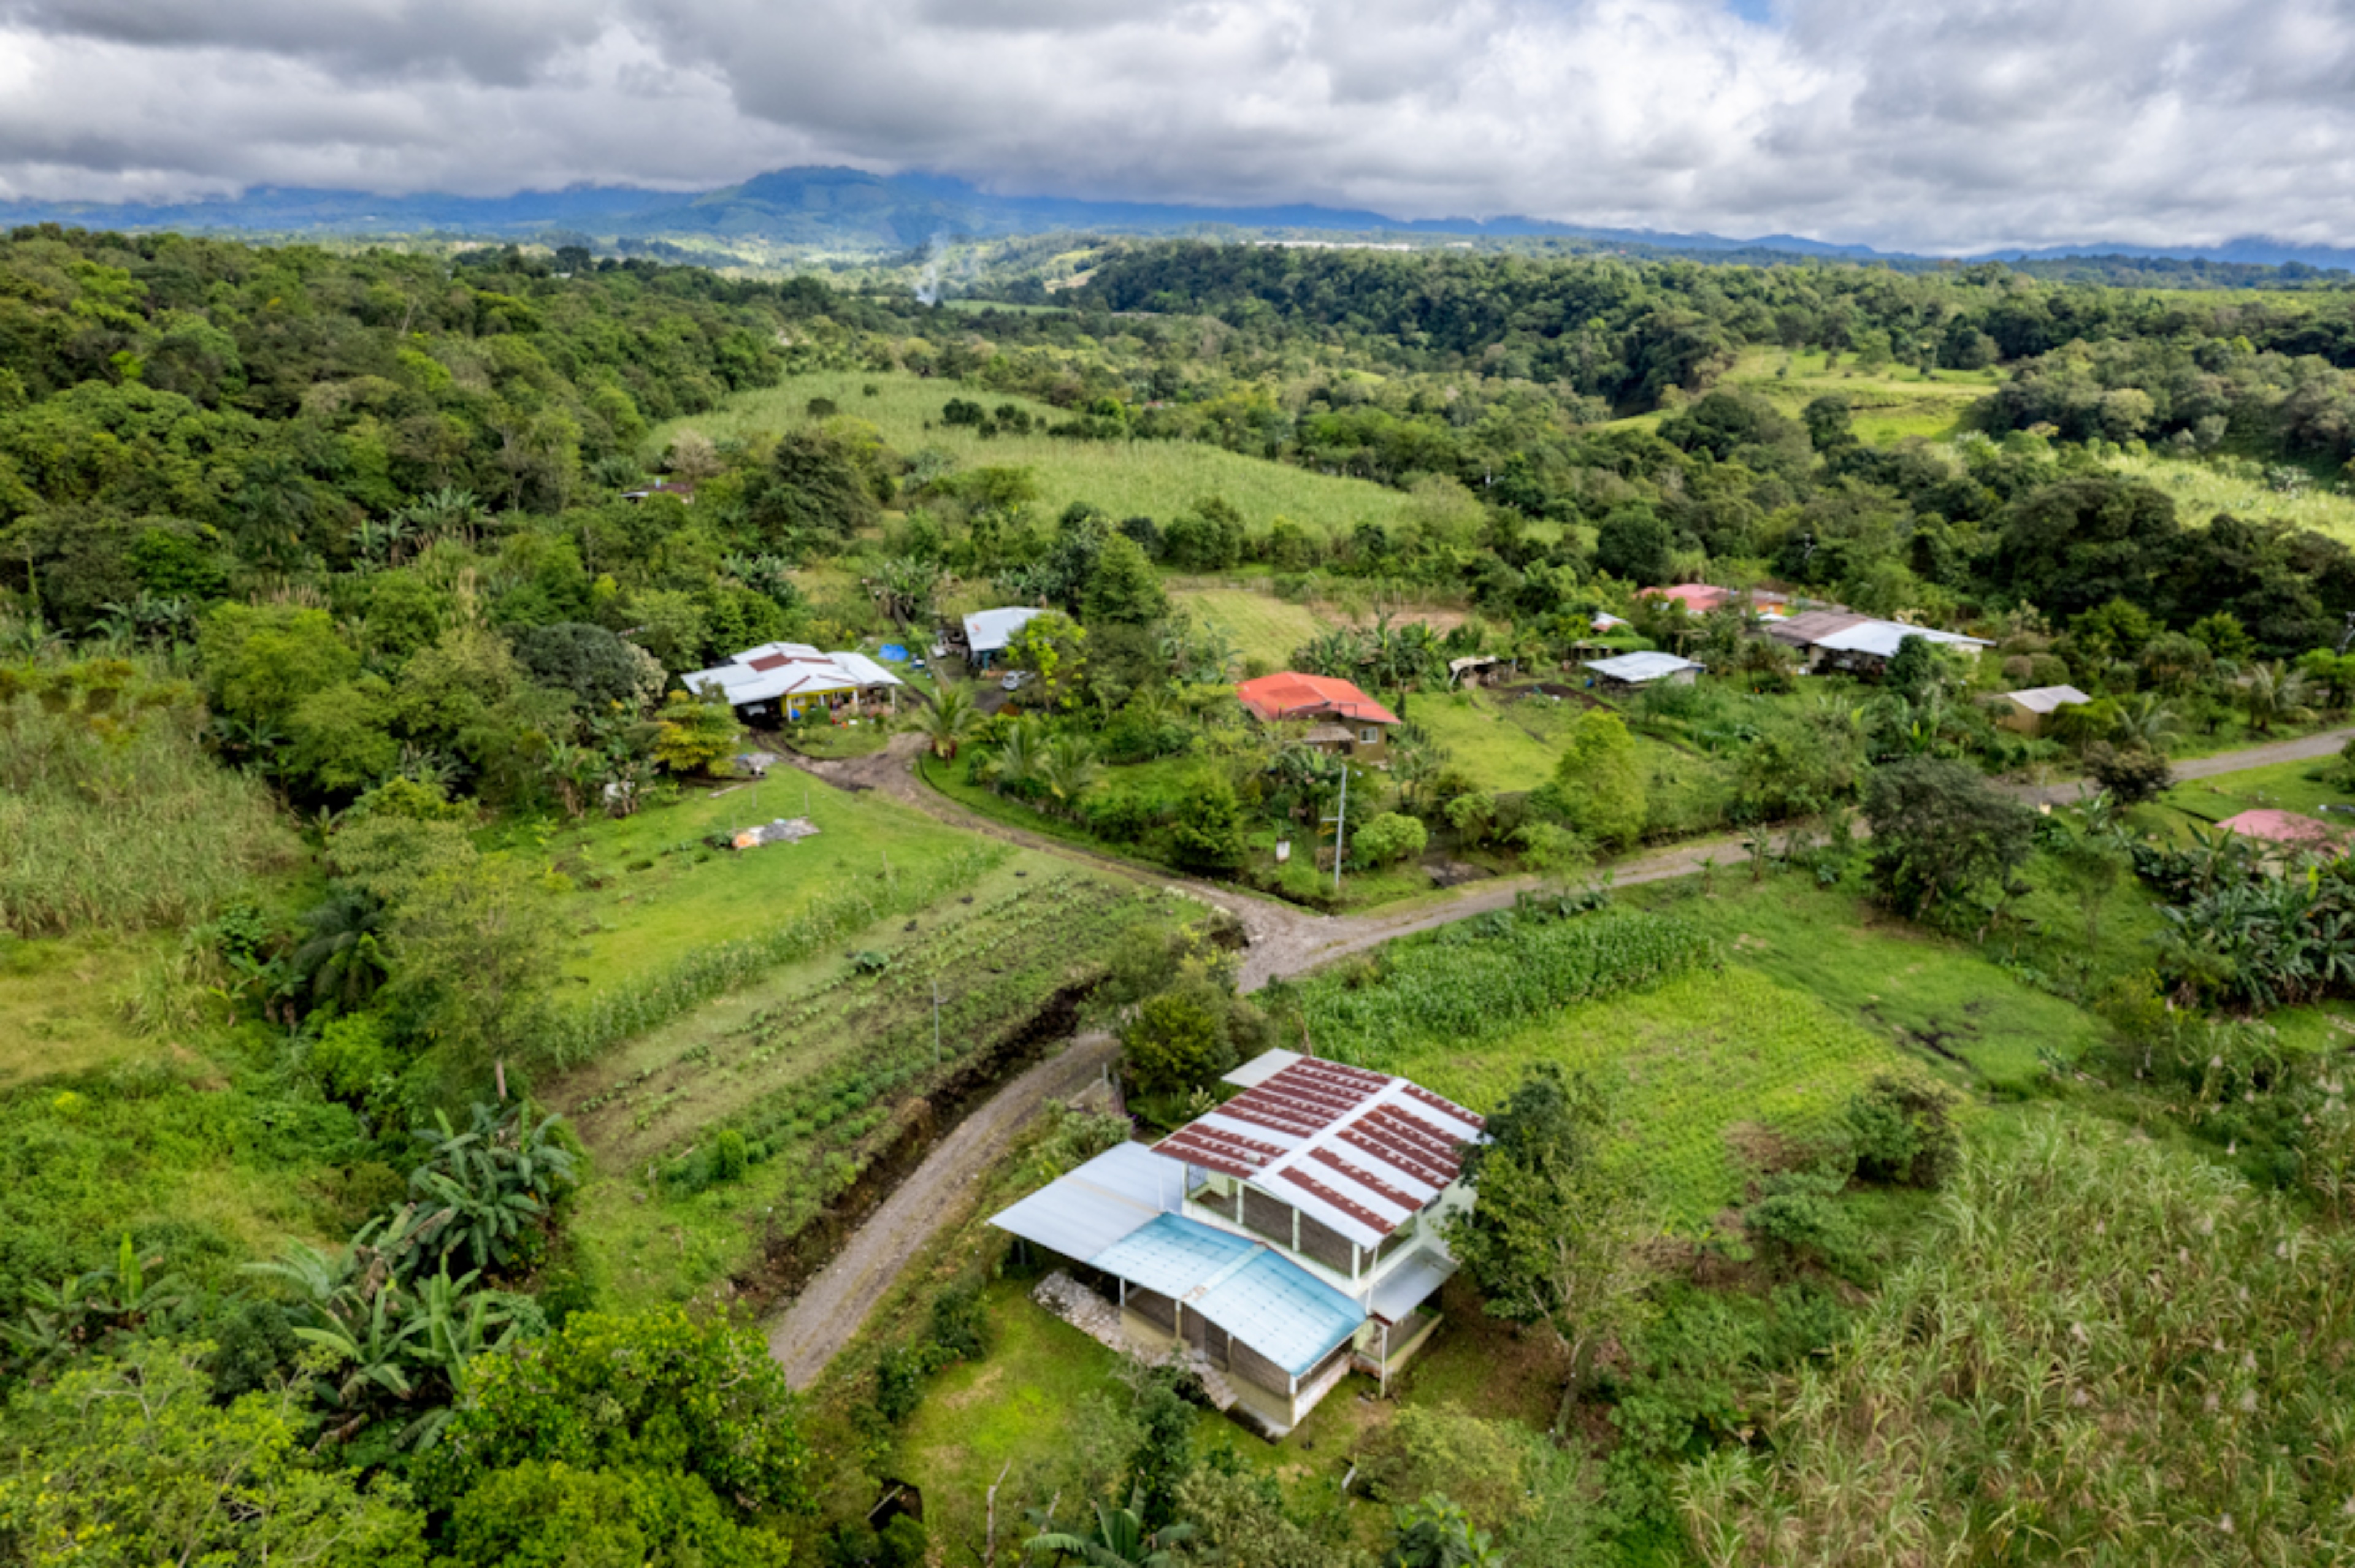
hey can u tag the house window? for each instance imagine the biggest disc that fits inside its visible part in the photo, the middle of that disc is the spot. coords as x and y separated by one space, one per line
1370 736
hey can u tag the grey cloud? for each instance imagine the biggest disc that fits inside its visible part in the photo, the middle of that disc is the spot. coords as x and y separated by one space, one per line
1928 124
503 43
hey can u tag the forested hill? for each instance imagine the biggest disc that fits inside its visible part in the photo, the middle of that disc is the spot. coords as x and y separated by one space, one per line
1572 318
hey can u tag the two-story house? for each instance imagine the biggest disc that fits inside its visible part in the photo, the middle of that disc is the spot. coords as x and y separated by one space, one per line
1291 1233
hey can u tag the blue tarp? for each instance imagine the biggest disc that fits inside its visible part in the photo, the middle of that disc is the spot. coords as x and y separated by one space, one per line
893 653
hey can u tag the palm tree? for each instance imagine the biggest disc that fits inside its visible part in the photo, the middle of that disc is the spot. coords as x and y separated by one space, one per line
1119 1541
343 959
1014 765
2274 693
1069 770
2146 721
947 718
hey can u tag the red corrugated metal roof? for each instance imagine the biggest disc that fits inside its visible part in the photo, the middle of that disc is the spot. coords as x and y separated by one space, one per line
1289 695
1367 1156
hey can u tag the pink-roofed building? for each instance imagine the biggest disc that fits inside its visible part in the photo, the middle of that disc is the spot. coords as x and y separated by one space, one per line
2283 830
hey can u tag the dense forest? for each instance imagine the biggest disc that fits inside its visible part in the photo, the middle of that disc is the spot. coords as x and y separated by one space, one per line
344 599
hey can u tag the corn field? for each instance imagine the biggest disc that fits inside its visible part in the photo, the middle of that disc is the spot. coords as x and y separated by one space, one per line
1484 977
616 1015
2106 1352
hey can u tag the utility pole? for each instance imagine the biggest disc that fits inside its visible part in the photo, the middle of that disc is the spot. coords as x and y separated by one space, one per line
1340 828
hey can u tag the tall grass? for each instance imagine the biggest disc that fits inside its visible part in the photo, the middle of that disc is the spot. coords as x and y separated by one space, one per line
637 1006
2106 1352
112 813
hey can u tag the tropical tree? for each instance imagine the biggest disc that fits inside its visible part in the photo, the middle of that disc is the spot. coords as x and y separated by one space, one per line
1012 766
1118 1540
903 588
2274 694
1069 770
1554 1238
947 718
342 959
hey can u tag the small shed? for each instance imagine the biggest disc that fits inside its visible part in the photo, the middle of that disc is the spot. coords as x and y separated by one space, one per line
1469 669
2026 711
989 633
1632 672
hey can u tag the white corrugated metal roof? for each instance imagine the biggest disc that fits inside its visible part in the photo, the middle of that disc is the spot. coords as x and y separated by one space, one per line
864 670
1410 1283
1356 1151
987 631
1636 669
1882 638
2045 698
1110 1197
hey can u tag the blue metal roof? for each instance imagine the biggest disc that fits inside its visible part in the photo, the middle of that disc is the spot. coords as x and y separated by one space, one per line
1281 1311
1174 1255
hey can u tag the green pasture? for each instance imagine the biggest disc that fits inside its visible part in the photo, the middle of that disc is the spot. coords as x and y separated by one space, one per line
2299 786
2200 491
1505 745
1142 478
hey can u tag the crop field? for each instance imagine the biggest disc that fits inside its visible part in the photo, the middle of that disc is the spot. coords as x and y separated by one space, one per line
1487 976
1700 1067
1144 478
1937 999
766 1105
649 893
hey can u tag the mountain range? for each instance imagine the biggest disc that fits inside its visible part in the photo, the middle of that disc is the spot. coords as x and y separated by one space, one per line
851 210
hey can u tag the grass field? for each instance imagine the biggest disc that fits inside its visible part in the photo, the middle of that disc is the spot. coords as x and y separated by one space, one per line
1264 626
1505 746
60 1000
1696 1065
2288 786
650 891
1887 405
2199 492
1154 479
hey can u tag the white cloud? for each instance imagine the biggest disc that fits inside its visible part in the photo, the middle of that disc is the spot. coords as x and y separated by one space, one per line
1900 123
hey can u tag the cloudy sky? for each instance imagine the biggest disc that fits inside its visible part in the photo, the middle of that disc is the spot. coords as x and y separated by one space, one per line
1920 124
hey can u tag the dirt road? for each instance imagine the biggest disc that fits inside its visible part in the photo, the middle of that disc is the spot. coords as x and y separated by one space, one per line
822 1319
1283 941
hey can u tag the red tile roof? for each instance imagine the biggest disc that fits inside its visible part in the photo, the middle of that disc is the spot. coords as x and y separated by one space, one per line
1293 696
